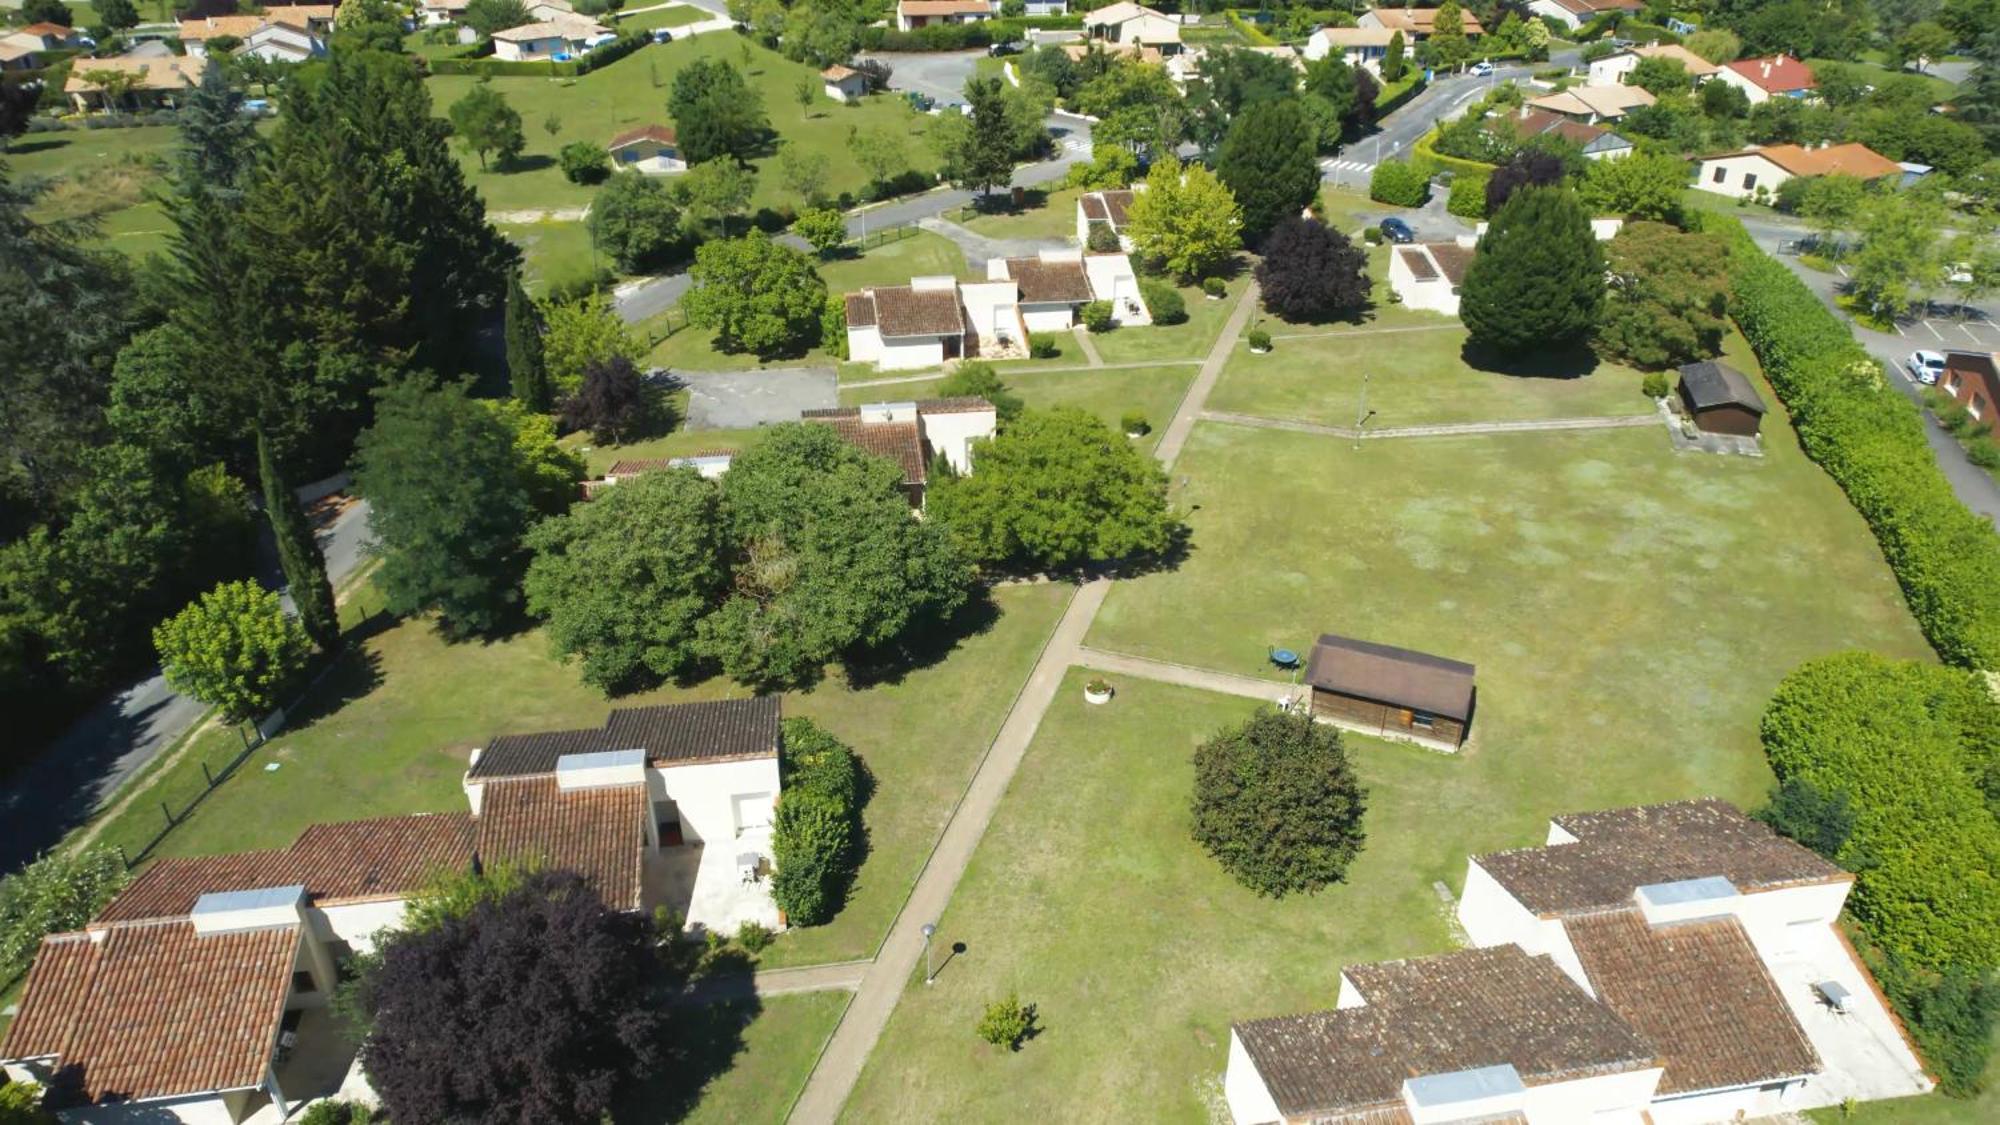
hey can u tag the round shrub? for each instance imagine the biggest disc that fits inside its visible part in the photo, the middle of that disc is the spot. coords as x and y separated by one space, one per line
1399 184
584 162
1163 301
1215 287
1134 424
1984 453
1277 804
1042 345
1656 384
1259 339
1468 196
1097 316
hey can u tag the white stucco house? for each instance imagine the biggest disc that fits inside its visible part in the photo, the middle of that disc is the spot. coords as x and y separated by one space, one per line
652 149
437 13
905 327
1427 275
1745 173
1617 67
559 39
1779 76
313 21
1134 26
913 14
1107 208
282 42
1356 46
843 84
1574 14
913 434
1416 24
199 993
1675 963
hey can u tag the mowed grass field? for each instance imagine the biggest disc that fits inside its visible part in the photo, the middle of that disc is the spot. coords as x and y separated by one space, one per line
389 730
1152 391
775 1040
633 91
1411 376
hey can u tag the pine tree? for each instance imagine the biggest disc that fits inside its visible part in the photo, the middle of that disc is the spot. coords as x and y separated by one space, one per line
1270 163
1392 59
987 158
299 555
1537 280
529 374
218 141
1449 46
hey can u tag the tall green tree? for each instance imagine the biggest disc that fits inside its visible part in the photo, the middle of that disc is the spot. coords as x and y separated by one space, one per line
756 295
582 333
1668 300
527 373
218 143
1394 59
299 556
1898 259
448 505
716 113
634 219
486 123
623 582
1057 488
1270 164
1537 279
1186 220
1448 43
1278 805
489 16
986 156
1644 185
234 648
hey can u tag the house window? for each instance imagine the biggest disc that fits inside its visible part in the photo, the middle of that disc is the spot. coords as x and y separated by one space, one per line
1951 384
1749 180
1423 720
628 156
1977 407
1721 174
302 981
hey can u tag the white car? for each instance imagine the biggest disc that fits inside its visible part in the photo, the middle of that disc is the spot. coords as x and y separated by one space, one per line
1925 367
1480 69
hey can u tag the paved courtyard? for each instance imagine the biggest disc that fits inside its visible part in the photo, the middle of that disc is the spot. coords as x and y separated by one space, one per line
742 400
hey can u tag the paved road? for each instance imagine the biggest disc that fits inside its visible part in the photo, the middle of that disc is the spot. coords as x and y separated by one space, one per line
106 747
840 1065
1973 486
1443 98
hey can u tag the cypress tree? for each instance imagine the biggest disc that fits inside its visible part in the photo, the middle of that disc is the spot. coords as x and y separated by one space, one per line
1392 59
218 143
1270 163
525 367
1537 280
299 555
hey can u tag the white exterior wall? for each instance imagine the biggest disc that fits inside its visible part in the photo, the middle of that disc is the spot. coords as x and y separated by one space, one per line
1725 1105
1611 70
910 353
528 50
953 433
1112 279
1601 1100
1434 295
1769 916
1048 318
1490 915
278 43
864 345
357 923
1757 94
1734 169
1146 29
201 1109
1555 11
992 308
705 794
1243 1088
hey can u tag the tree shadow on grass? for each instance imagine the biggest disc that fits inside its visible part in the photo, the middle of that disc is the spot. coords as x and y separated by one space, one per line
353 676
700 1043
534 162
1554 363
1003 203
921 645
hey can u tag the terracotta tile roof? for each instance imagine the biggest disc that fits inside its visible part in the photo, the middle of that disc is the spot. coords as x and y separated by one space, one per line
1107 206
1590 8
1356 36
659 134
1044 282
1452 258
1850 159
944 7
901 442
1387 674
707 730
46 29
860 309
210 27
1779 74
959 404
1699 991
838 73
1620 850
155 1010
149 73
597 833
1422 21
388 857
1603 101
1438 1015
902 311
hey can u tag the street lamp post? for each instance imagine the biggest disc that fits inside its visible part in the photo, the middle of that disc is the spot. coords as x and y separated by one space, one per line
930 974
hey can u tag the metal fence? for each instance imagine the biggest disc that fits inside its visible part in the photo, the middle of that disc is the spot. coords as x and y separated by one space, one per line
885 235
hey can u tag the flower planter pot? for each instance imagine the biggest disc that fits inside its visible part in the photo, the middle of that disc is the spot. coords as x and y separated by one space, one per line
1260 351
1098 698
1210 297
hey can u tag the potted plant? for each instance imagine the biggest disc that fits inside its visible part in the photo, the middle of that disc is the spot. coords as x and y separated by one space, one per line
1213 288
1135 424
1260 341
1097 691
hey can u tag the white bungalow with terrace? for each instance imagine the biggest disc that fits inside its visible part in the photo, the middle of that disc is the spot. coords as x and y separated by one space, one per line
913 434
1427 275
199 994
1355 46
913 14
1107 209
1675 963
652 149
563 38
936 319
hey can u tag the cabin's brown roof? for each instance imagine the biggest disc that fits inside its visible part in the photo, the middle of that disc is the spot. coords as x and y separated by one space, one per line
901 442
155 1010
1387 674
1452 258
659 134
1438 1015
387 857
1041 281
1423 21
597 833
1107 206
902 311
1699 991
706 730
1619 850
1712 383
860 309
1535 122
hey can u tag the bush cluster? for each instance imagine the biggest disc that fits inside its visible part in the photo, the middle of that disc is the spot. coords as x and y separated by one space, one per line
1468 196
1399 184
1871 441
1096 316
816 834
56 893
959 36
1163 301
1891 769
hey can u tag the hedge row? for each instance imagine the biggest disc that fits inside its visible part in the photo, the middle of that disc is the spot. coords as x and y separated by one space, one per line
1424 154
1870 440
816 834
1887 768
958 36
604 56
1385 106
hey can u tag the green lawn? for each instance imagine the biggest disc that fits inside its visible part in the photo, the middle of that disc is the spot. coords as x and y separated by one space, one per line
1941 90
102 173
678 15
1190 339
1933 1109
553 251
633 91
780 1039
1412 377
389 730
1046 215
1152 391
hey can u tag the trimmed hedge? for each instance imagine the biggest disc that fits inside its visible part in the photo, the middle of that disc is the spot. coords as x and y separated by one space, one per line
1870 440
626 43
959 36
1399 184
1425 155
1468 196
816 833
1388 103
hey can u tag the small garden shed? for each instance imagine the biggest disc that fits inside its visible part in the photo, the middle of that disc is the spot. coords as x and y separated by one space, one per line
1390 692
1721 399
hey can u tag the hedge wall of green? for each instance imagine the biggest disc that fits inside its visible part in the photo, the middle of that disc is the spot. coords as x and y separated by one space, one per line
604 56
817 830
1870 440
1424 155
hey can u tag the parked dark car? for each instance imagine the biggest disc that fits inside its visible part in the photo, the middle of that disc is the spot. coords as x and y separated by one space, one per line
999 49
662 35
1396 230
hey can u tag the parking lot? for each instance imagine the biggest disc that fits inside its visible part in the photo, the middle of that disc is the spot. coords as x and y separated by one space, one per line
1951 327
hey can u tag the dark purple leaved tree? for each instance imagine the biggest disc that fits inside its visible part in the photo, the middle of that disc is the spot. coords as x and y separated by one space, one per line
1311 271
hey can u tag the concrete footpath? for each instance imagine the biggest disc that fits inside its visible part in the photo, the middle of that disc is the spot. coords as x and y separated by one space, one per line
1185 675
1441 429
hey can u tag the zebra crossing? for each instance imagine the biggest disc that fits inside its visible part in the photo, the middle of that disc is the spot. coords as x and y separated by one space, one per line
1336 167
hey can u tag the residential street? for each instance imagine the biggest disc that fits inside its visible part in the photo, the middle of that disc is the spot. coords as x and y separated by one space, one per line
119 737
1443 98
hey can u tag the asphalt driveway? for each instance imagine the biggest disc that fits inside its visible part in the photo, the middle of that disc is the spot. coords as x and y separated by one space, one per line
742 400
